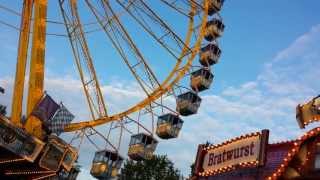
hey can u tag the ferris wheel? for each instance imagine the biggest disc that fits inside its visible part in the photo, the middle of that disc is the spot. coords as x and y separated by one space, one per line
140 34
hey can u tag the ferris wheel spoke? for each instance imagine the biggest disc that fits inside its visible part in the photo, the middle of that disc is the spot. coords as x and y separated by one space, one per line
113 35
124 127
83 59
92 142
172 42
143 9
124 45
147 28
132 120
199 4
160 104
128 38
174 7
147 18
104 138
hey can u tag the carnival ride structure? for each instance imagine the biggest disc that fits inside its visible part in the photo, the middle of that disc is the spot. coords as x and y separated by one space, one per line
32 148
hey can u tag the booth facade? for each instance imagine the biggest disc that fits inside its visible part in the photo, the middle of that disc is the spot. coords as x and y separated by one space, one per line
251 157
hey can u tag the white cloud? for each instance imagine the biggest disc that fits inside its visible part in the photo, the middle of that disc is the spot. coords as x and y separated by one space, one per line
303 44
294 69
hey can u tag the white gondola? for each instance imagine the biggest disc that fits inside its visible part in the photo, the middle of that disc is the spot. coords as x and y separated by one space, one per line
169 126
106 164
215 6
188 103
214 29
209 55
201 79
142 146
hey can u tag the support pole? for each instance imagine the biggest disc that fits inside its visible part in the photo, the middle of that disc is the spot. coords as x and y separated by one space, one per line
36 79
16 109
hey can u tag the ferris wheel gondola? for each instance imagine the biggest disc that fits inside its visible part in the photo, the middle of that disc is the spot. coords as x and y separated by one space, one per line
106 164
169 126
214 29
188 103
215 6
142 146
209 55
57 154
201 79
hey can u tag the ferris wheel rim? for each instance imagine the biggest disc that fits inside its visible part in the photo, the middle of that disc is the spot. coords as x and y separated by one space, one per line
174 77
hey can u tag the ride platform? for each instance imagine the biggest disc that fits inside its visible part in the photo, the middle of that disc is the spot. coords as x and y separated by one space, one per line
22 156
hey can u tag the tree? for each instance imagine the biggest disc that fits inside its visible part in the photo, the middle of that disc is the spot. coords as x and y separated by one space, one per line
2 107
192 170
157 168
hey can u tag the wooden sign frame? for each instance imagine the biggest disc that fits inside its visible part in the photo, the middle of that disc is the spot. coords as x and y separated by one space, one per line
203 150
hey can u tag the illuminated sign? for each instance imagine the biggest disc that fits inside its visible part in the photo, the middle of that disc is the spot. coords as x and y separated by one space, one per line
249 149
309 112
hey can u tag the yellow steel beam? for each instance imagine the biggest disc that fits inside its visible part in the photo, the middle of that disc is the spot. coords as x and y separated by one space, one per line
21 62
36 79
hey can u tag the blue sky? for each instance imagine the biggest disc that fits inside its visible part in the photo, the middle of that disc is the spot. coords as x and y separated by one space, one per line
268 66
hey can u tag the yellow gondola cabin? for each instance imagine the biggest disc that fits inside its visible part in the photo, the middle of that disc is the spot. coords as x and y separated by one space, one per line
54 155
215 6
209 55
142 146
188 103
201 79
214 29
169 126
106 164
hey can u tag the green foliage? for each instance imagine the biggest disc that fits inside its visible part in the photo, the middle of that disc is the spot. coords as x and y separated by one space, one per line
157 168
192 169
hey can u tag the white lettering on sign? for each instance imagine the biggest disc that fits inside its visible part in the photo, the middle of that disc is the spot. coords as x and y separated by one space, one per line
240 151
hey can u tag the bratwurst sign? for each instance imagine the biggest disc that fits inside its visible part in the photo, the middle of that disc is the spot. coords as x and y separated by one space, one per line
245 149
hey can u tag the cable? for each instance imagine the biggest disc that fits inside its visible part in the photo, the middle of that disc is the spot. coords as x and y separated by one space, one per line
18 29
10 10
9 25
